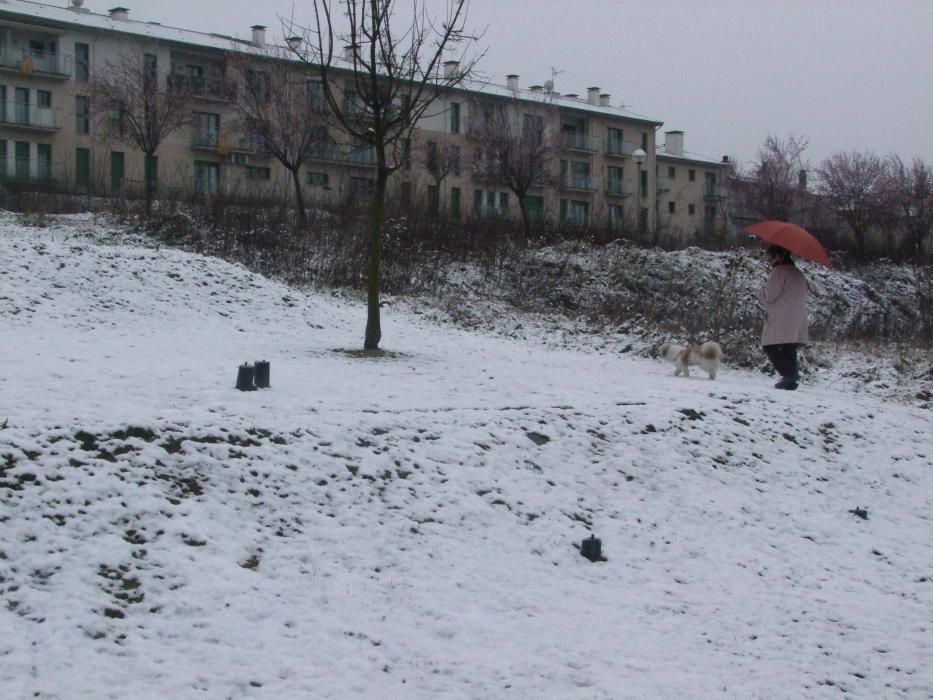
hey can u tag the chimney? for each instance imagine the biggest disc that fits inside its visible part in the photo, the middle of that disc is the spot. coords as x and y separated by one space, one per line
511 82
450 68
75 6
592 95
293 42
349 51
604 99
674 143
259 36
802 179
725 159
572 96
536 88
119 13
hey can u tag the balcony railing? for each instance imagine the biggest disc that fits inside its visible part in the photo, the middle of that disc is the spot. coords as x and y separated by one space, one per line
713 192
578 182
618 188
663 184
30 171
620 149
29 116
575 141
205 138
204 88
36 62
343 154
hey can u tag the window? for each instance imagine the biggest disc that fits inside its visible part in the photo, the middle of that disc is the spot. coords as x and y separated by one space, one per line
477 202
256 172
44 161
616 217
455 160
22 105
82 63
43 99
318 179
710 184
150 69
503 203
455 117
692 209
433 200
22 159
643 185
534 205
614 141
3 158
533 125
455 202
691 175
406 154
644 141
614 180
361 185
207 129
257 85
82 167
117 170
431 161
206 178
82 115
574 211
671 207
406 195
671 172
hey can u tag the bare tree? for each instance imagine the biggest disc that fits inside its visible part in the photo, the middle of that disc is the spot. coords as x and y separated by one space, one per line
774 186
513 148
136 111
852 182
389 82
441 158
909 190
282 111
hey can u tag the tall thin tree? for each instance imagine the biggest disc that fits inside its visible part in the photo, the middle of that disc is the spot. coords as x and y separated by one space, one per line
136 110
389 79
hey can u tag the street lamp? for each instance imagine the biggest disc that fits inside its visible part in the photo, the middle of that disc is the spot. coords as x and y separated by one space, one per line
639 156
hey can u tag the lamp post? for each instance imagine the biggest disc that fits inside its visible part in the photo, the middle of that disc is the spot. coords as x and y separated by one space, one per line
639 156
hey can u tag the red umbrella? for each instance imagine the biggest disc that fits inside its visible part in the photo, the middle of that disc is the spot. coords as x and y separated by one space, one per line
791 237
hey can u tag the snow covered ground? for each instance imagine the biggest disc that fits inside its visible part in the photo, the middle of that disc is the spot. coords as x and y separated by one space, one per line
405 525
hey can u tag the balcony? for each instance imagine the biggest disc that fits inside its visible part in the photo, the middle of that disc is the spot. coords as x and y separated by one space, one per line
40 63
218 89
713 193
662 184
618 188
584 183
576 141
337 153
29 117
30 171
620 149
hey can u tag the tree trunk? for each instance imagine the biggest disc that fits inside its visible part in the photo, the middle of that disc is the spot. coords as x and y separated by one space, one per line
373 283
526 219
299 197
147 176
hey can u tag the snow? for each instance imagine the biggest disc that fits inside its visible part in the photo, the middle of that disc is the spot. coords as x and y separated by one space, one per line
406 524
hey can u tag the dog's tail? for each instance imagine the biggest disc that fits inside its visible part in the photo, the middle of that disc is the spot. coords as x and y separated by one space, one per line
711 350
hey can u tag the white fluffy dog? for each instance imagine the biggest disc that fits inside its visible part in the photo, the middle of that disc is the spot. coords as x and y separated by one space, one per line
706 356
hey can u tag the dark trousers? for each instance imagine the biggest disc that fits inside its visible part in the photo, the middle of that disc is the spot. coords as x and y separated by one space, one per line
784 359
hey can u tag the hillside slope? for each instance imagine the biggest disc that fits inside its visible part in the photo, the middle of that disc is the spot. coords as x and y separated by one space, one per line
405 525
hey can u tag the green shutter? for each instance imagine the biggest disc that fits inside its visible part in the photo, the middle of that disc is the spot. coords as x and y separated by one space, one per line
82 167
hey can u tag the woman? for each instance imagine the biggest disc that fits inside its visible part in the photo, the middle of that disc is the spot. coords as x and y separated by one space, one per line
785 300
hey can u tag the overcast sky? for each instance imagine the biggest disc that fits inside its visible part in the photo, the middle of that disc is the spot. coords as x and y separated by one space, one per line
847 74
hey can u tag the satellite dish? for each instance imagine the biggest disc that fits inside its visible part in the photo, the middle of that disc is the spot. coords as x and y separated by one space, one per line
77 3
549 85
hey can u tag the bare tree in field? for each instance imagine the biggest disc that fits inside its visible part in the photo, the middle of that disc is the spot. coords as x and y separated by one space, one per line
774 187
909 190
135 110
282 110
514 147
376 96
853 184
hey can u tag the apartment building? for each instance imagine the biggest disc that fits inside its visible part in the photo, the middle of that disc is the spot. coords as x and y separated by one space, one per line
607 168
690 191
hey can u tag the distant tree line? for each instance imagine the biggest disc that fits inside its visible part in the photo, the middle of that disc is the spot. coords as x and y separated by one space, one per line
858 200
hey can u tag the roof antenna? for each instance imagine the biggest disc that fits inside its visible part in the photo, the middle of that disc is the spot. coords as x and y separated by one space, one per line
549 84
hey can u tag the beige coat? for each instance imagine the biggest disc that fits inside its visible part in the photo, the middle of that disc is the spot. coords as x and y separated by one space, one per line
785 300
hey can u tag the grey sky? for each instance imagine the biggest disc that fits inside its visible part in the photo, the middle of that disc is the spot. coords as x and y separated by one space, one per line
847 74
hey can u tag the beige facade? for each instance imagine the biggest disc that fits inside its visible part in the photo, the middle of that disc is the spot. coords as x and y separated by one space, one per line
48 55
